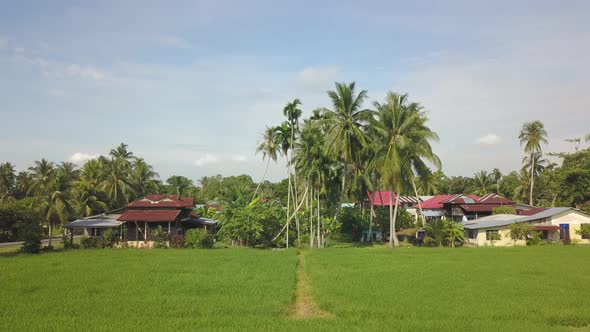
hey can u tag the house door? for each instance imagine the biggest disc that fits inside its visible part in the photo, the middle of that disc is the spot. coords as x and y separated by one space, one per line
564 231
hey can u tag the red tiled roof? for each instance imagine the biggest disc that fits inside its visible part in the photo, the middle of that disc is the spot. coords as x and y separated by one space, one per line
531 212
149 215
494 199
479 207
381 198
434 203
163 201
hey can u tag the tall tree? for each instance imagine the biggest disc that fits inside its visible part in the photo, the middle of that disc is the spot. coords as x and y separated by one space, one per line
270 149
144 179
345 135
531 136
483 182
402 142
7 180
42 173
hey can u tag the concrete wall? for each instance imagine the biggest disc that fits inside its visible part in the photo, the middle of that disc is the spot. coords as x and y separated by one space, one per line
574 219
505 240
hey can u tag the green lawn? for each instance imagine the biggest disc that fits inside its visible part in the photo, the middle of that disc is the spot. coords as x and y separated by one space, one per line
418 289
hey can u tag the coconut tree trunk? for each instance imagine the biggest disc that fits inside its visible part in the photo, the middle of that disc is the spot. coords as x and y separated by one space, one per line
310 207
393 241
532 179
371 220
50 233
288 202
318 229
419 203
391 227
262 180
341 193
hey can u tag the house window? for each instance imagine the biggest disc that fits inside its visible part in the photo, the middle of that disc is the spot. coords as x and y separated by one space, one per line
492 234
564 231
471 234
95 231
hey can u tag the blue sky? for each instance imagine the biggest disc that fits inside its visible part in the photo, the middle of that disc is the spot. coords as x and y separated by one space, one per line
190 85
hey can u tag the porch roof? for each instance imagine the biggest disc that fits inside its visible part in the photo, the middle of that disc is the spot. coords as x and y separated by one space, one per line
94 223
545 227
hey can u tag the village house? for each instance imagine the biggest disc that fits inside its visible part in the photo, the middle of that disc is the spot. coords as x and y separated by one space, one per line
555 225
135 223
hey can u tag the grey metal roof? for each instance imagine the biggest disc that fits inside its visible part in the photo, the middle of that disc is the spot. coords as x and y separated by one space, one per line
432 213
492 221
547 213
95 222
200 220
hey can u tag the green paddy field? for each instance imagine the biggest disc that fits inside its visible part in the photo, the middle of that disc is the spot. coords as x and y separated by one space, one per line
545 288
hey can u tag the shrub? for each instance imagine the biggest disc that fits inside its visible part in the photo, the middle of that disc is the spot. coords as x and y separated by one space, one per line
90 242
535 239
176 241
108 239
519 231
504 210
429 242
208 241
159 237
198 238
566 241
31 233
584 231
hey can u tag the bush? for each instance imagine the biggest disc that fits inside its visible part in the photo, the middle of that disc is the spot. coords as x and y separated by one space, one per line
429 242
567 241
535 239
90 242
108 239
176 241
31 233
159 238
198 238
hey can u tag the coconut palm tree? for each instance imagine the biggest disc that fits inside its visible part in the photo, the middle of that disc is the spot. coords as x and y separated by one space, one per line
42 173
535 162
144 179
121 152
181 185
483 182
55 202
116 182
532 135
23 183
7 180
93 171
402 143
497 178
344 133
270 149
89 200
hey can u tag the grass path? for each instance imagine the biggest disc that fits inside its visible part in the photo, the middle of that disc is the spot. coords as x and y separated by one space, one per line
304 306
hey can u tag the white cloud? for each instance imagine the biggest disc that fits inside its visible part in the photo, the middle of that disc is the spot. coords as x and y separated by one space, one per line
90 72
489 139
206 159
81 157
175 41
314 77
239 158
